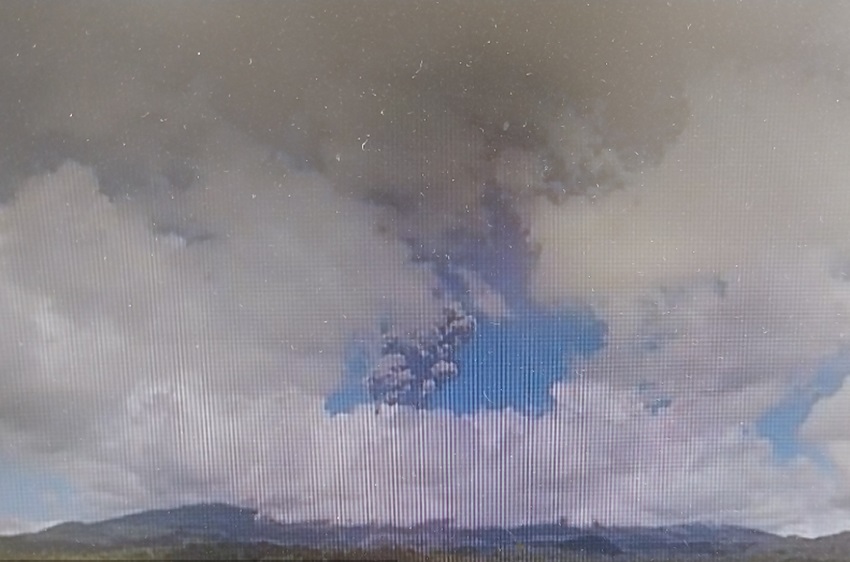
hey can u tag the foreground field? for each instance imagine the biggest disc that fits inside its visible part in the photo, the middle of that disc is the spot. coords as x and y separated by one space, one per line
267 551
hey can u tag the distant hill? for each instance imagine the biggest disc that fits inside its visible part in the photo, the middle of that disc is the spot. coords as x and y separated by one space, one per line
221 523
205 521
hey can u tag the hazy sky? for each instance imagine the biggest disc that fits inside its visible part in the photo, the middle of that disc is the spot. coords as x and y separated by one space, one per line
209 211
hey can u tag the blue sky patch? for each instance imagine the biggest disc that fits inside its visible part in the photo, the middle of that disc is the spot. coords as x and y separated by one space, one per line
511 363
36 495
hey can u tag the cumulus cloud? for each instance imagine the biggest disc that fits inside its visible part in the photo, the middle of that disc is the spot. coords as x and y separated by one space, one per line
13 526
205 205
99 302
825 428
599 456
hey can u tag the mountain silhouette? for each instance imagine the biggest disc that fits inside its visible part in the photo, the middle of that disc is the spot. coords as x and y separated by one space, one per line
222 523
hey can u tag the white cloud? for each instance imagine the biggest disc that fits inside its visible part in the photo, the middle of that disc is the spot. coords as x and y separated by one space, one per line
97 303
826 428
600 455
14 526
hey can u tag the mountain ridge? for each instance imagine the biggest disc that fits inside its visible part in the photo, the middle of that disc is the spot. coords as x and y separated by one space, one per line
220 522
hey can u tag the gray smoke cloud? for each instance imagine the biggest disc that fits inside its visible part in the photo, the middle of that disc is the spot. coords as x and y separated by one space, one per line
411 369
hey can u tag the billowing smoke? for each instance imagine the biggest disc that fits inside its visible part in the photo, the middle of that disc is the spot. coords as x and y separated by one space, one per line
410 369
